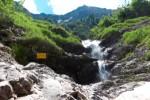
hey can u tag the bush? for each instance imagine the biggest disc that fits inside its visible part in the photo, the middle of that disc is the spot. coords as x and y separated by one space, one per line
20 53
108 32
136 37
61 31
147 56
25 50
106 21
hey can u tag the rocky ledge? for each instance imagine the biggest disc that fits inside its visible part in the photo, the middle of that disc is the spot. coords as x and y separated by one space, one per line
37 82
34 81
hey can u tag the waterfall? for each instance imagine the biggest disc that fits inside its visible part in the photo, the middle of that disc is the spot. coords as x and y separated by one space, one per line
97 52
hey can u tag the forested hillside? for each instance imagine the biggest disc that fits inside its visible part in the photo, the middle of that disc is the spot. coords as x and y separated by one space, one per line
79 21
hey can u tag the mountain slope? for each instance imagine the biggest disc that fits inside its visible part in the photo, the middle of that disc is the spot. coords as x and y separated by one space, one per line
79 21
77 14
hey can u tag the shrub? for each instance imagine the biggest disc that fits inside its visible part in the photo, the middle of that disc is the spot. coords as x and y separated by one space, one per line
25 50
19 53
147 56
107 32
137 36
61 31
106 21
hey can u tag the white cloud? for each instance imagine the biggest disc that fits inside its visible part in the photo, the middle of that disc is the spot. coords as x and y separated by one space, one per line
64 6
30 6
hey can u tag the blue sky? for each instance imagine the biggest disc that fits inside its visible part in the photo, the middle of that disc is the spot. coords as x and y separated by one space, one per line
64 6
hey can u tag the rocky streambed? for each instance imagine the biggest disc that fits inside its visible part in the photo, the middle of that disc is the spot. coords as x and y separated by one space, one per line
123 80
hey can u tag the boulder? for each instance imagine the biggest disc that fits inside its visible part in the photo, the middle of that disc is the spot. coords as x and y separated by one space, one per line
119 52
75 48
77 96
6 91
21 87
111 40
5 54
138 93
88 74
82 68
110 65
35 82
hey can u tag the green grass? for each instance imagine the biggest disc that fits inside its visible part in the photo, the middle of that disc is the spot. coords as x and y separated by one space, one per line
128 55
38 35
137 36
105 32
41 29
147 56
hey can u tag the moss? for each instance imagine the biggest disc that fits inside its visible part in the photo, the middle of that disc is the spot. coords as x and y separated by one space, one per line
147 56
61 31
137 36
105 32
19 53
25 50
128 55
108 32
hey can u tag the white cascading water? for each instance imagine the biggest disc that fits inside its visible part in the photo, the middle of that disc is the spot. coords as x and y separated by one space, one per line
98 52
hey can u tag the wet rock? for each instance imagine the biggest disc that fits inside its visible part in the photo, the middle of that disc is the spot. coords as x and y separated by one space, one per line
110 65
22 87
82 68
75 48
52 85
138 93
5 54
77 96
88 49
88 74
35 82
119 52
111 40
6 91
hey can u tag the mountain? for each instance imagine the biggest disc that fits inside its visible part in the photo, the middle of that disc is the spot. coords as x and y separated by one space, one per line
79 13
79 21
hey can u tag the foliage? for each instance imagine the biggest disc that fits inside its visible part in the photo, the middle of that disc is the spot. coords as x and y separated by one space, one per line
20 53
39 36
6 5
137 36
147 56
27 50
122 18
137 8
60 31
106 21
81 28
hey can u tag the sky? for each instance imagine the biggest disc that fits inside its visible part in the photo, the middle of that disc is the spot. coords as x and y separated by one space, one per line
61 7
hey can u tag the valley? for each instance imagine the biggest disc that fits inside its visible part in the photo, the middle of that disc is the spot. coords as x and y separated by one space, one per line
90 53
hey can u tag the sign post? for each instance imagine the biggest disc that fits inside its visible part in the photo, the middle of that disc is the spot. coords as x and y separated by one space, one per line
41 56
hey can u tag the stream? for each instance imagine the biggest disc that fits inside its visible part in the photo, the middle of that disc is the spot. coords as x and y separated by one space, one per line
95 51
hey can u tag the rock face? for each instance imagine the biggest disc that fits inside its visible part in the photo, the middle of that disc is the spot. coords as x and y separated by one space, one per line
75 48
39 82
5 55
118 52
6 91
80 67
139 93
36 82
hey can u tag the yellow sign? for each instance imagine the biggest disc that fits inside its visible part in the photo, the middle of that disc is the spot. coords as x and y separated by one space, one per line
41 55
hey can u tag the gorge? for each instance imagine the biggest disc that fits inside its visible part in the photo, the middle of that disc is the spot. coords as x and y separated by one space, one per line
99 53
89 54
